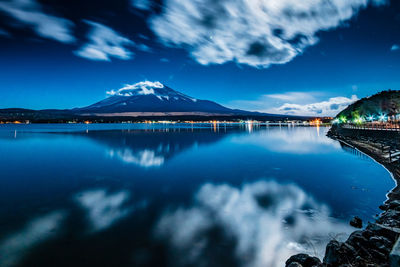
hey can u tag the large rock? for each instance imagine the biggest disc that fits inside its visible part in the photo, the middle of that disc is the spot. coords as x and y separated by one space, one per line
384 207
356 222
381 243
381 230
390 218
358 238
395 204
303 260
332 253
395 255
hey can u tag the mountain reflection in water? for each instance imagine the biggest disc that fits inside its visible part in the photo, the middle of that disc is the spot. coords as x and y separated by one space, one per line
151 148
220 196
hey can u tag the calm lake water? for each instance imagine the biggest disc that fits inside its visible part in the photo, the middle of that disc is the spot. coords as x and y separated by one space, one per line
177 195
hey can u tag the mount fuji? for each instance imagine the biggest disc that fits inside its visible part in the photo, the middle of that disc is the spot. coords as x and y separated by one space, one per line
153 97
142 100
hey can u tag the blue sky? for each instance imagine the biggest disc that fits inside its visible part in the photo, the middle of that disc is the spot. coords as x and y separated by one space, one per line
280 56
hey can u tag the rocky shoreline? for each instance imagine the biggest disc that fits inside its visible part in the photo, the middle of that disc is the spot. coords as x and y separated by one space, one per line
378 244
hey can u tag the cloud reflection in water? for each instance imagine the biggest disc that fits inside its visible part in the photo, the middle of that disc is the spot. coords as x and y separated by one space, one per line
297 140
144 158
36 231
104 209
264 222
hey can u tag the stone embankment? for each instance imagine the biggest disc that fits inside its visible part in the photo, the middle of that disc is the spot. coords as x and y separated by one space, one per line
378 244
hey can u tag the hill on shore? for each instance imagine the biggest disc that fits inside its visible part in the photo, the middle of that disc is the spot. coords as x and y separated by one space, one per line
385 103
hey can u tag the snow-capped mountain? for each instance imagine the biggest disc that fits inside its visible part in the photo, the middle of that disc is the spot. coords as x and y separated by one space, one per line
149 96
143 100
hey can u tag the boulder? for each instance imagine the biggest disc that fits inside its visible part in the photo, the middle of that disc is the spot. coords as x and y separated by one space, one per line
356 222
395 255
303 260
394 204
357 238
332 254
384 207
381 230
390 218
381 243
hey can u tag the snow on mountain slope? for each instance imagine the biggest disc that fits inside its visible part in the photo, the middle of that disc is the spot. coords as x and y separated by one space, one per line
149 96
151 88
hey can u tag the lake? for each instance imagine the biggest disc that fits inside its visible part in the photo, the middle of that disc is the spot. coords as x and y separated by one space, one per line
178 195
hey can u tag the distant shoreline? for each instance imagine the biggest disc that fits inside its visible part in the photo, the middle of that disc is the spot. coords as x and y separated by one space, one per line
71 116
261 123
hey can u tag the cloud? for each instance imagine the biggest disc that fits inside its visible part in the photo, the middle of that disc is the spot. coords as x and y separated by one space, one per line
144 158
143 48
395 48
260 224
143 88
164 60
264 102
38 230
104 209
291 96
325 108
29 13
296 103
141 4
105 43
254 32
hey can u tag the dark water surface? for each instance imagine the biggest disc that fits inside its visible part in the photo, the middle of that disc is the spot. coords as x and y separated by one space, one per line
177 195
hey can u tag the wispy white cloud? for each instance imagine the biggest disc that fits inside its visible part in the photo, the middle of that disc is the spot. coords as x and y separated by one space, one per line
262 223
143 48
395 47
254 32
104 43
141 4
14 247
292 96
144 37
164 60
30 13
296 103
330 107
103 208
267 101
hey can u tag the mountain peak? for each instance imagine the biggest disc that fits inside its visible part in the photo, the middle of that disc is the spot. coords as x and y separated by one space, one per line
140 88
145 88
147 96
